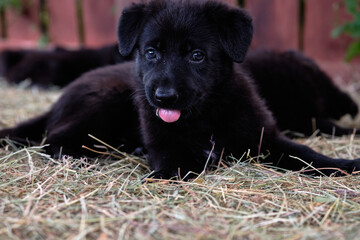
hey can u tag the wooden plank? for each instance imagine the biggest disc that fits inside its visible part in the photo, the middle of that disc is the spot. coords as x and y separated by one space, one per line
18 44
275 23
99 22
320 19
63 29
24 25
119 6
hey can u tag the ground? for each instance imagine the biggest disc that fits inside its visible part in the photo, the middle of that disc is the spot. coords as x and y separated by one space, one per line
46 198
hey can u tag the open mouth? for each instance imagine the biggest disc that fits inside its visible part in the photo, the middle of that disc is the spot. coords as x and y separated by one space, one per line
168 115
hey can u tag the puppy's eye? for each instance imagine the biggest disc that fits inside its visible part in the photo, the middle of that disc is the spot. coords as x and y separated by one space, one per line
197 56
150 53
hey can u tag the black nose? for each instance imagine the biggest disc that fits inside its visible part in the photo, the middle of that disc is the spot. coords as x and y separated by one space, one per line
166 95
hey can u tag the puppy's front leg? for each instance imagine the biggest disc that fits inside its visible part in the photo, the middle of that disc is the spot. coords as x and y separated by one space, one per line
174 162
166 164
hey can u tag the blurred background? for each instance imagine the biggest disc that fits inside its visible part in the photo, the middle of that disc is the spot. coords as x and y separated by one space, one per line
326 30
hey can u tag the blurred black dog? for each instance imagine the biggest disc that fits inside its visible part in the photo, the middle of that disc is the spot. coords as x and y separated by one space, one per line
184 91
300 95
57 67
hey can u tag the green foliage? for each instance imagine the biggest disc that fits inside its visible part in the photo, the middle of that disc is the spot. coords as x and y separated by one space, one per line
352 28
10 3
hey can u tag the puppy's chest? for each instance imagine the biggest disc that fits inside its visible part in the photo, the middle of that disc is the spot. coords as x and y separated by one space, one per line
199 135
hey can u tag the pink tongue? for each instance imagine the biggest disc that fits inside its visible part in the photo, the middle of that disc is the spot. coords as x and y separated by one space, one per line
169 116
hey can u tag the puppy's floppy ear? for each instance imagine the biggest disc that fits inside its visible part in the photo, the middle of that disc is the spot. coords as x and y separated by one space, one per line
131 24
235 29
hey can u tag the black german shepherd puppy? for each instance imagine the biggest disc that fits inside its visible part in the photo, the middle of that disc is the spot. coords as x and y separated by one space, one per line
191 100
56 67
301 96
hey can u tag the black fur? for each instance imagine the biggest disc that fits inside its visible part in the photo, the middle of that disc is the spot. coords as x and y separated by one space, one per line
295 73
97 103
184 62
58 67
298 92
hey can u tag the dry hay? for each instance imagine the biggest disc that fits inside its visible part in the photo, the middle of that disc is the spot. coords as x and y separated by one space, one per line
105 198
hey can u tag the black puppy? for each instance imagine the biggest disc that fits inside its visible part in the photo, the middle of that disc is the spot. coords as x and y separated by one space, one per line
98 103
57 67
192 101
295 73
299 94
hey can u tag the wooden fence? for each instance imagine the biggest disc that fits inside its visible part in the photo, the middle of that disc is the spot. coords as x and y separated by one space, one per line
279 24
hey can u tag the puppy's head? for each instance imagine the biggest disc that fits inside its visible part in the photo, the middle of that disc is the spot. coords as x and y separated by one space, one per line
184 50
